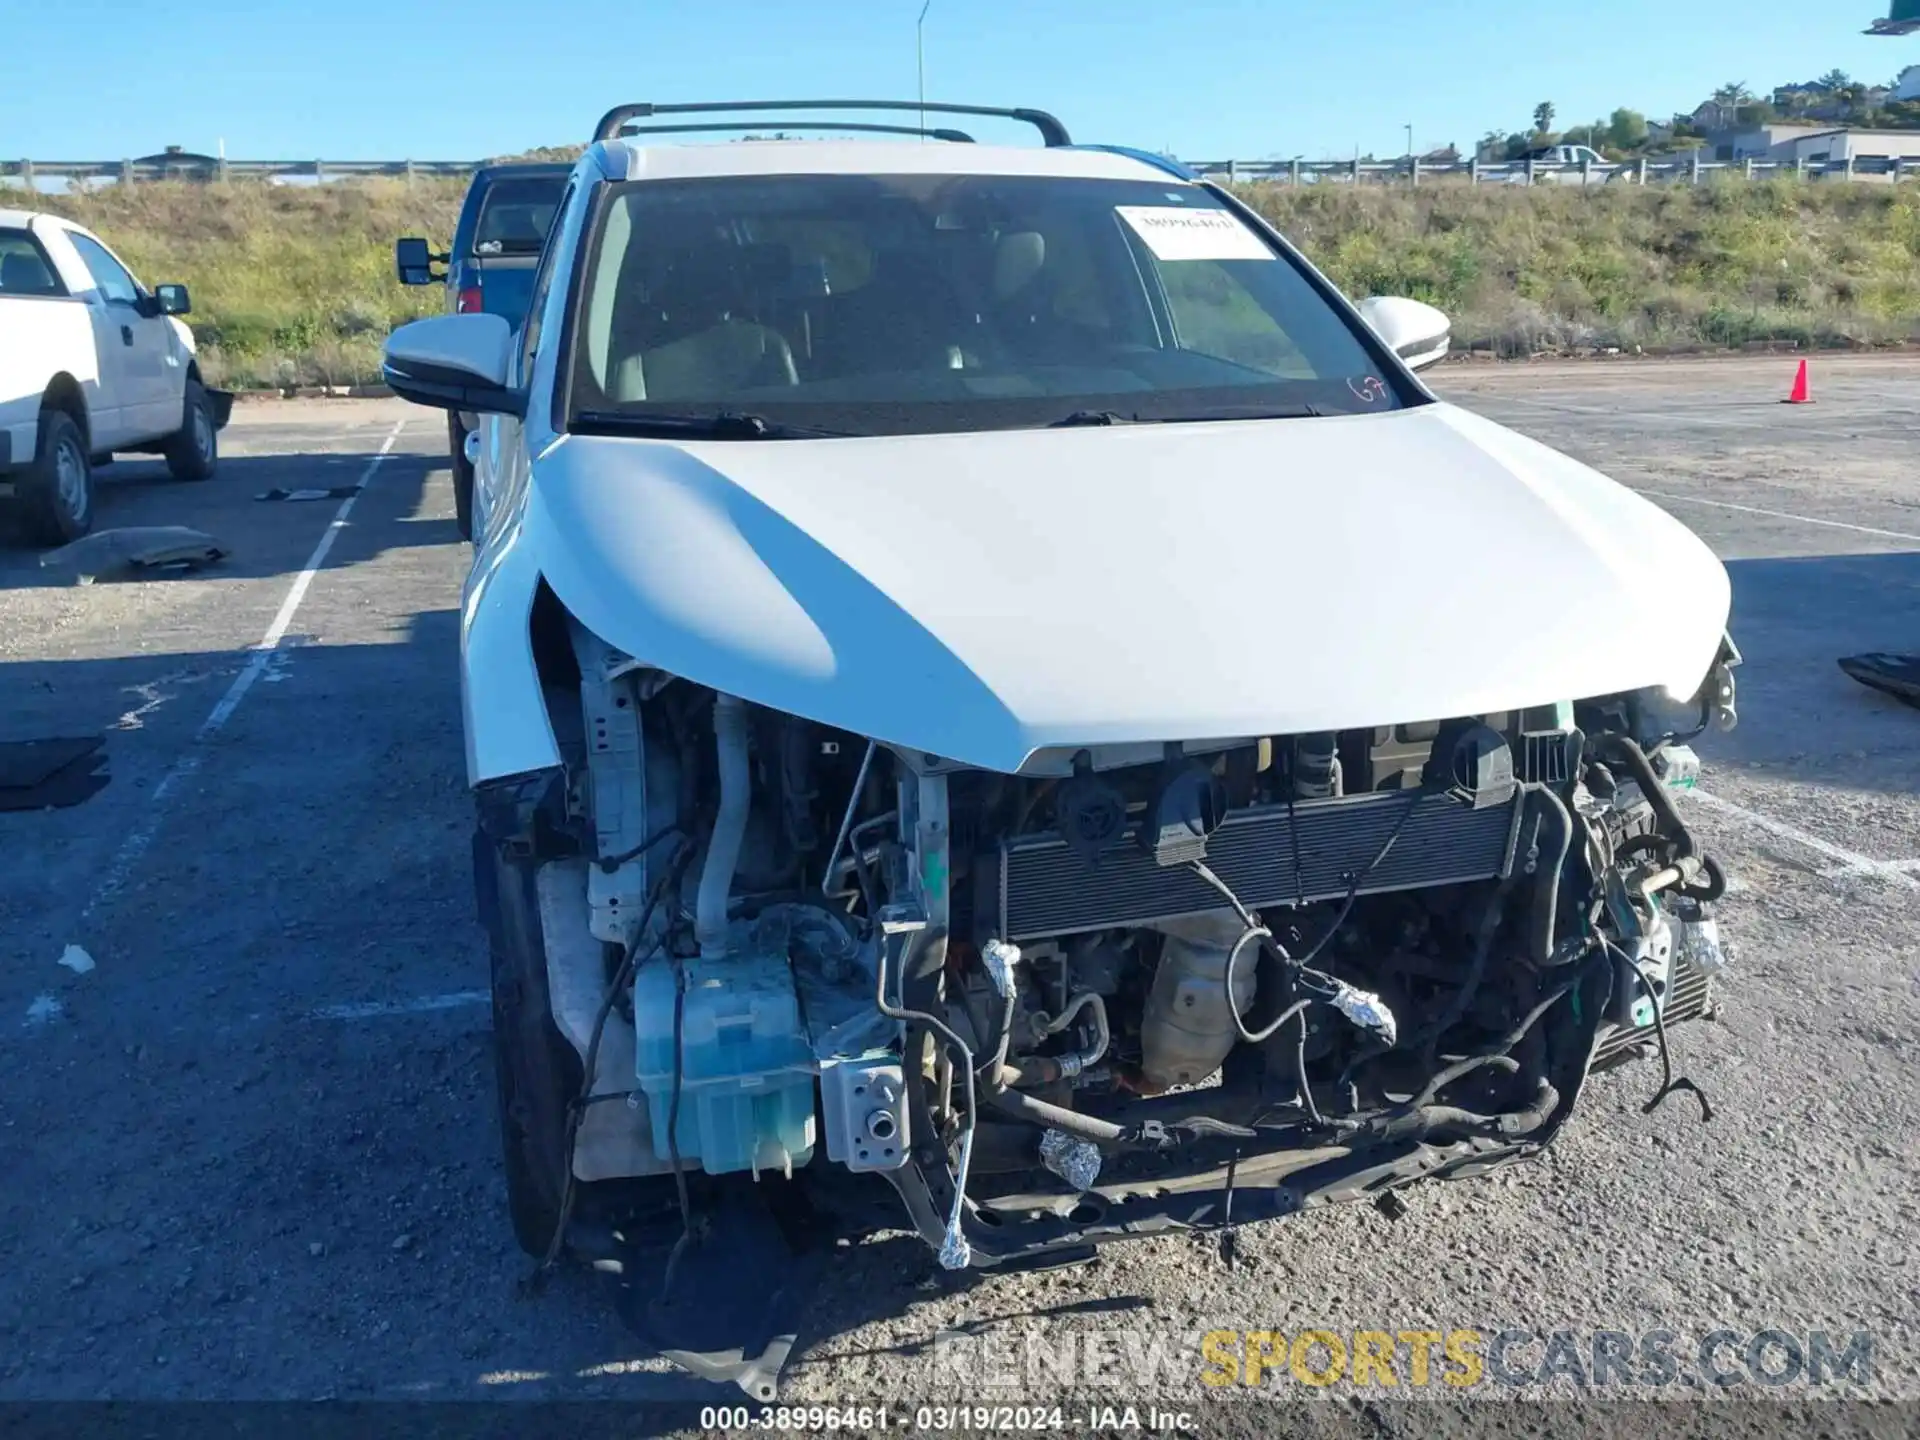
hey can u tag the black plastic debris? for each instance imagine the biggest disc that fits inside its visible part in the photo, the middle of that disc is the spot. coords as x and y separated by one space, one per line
1895 675
135 551
338 492
52 773
734 1312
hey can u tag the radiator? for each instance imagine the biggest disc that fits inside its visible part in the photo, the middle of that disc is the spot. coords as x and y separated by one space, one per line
1689 998
1269 854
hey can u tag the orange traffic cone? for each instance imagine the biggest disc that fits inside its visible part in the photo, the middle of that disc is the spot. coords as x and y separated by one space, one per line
1800 395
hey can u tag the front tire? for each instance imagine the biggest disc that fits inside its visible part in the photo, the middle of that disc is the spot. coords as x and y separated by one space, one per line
56 495
538 1073
193 453
462 479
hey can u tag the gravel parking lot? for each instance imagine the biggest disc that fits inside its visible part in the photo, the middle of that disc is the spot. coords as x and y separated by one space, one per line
251 1154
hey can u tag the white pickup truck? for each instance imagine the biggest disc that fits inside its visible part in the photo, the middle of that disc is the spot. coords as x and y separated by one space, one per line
91 362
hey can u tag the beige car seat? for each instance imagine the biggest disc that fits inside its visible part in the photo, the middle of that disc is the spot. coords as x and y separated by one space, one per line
715 350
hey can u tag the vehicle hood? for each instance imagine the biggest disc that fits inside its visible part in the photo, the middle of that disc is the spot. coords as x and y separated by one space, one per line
981 596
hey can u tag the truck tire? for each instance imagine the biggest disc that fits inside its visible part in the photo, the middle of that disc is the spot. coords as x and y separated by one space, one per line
462 479
193 452
56 494
538 1073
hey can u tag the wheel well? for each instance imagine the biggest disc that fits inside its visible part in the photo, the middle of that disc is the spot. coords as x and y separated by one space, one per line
64 393
553 655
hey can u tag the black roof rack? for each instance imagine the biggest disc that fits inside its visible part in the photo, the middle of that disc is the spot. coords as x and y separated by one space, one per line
958 137
611 124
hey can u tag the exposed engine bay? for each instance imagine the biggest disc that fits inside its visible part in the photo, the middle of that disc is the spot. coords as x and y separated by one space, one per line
1130 988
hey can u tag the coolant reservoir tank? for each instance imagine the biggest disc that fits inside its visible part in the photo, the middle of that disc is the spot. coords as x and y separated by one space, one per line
746 1070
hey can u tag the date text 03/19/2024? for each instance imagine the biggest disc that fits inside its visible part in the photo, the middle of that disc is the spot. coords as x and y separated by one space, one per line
939 1419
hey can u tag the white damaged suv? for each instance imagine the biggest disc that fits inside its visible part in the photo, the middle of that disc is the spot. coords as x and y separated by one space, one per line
983 671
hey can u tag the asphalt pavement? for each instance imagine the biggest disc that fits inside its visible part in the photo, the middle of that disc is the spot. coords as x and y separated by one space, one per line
246 1130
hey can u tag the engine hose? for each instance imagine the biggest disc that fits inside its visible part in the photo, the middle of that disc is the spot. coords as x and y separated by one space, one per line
1419 1124
1546 888
1652 789
1498 1055
1715 886
1460 1069
1510 1126
1669 816
1053 1117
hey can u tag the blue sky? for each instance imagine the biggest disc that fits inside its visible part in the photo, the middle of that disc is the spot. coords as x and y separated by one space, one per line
1209 79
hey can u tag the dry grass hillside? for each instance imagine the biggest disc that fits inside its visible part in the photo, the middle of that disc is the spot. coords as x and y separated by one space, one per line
291 284
1817 263
294 285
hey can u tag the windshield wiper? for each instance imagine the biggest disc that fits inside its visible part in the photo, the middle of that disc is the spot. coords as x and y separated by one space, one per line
1090 417
1108 417
726 425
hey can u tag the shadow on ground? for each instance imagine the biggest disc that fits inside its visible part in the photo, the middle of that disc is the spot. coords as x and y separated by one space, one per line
262 537
1794 618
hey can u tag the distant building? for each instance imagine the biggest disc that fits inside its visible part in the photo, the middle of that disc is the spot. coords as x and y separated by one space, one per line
1712 116
175 163
1839 145
1788 97
1732 144
1810 101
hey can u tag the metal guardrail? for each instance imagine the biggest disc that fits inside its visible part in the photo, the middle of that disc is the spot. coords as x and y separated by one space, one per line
1284 172
1690 170
169 168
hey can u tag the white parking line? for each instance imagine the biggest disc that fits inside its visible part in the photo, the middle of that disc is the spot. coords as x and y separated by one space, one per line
1906 867
1851 862
140 838
1780 515
375 1009
1866 428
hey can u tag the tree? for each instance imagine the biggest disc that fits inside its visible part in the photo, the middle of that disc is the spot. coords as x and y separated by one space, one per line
1627 130
1543 116
1834 80
1734 92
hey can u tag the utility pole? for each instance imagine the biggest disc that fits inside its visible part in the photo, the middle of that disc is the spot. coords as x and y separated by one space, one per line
920 57
1409 142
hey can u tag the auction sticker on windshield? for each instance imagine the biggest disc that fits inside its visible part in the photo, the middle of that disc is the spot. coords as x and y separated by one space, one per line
1174 233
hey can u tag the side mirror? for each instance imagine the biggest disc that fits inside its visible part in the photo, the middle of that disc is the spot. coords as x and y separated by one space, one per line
414 260
173 299
454 362
1416 332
